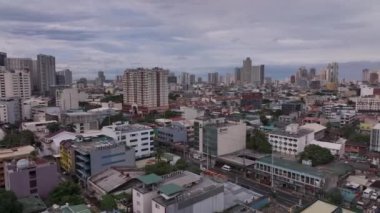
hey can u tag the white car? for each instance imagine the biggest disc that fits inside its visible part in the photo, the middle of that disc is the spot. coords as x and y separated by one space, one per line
226 168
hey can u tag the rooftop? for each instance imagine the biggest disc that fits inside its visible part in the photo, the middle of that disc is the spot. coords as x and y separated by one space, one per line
291 165
150 179
114 177
298 134
15 152
125 128
170 189
91 143
314 126
320 206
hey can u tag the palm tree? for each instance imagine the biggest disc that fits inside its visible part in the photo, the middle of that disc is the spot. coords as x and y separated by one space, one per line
159 154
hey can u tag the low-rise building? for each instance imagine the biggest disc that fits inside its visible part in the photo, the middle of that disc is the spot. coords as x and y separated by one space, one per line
82 121
336 149
39 126
292 140
28 104
137 136
181 191
16 153
26 178
370 105
10 110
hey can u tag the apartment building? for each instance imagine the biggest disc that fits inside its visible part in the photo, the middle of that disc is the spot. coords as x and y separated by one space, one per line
15 83
180 191
375 138
290 141
139 137
31 178
199 124
28 104
369 105
178 131
10 110
67 99
7 155
38 126
82 121
146 88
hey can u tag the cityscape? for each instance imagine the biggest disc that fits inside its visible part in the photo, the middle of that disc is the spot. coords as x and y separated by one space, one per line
177 107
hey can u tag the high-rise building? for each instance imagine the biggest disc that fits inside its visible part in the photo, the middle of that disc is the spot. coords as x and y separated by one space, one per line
199 80
15 83
25 64
64 77
332 73
312 73
258 75
67 99
375 139
366 75
246 70
237 75
46 73
185 79
250 74
373 78
101 78
147 88
213 78
3 58
192 79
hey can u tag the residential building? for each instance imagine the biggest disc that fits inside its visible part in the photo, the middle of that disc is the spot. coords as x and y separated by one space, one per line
64 77
67 99
178 192
13 154
251 100
365 77
3 59
38 126
258 74
31 178
10 110
15 83
199 124
46 73
146 88
176 132
92 155
369 105
81 121
137 136
213 78
292 140
292 106
332 73
223 138
25 64
28 104
375 138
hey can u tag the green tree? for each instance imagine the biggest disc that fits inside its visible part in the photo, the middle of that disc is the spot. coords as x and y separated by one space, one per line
318 155
181 164
53 127
264 120
171 114
66 192
19 138
108 203
159 154
159 168
334 196
9 202
259 142
113 118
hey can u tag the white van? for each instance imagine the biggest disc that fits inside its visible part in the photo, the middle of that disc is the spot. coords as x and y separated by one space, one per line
367 193
226 168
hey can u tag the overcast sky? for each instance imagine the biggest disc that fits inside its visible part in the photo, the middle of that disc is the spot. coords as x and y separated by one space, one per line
191 35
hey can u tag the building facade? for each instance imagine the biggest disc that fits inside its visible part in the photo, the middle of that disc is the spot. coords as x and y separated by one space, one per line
15 83
46 73
147 88
30 178
375 139
139 137
67 99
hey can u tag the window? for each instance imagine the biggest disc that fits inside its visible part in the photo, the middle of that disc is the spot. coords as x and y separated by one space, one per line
138 194
32 183
134 140
144 133
123 137
143 139
33 191
144 149
157 206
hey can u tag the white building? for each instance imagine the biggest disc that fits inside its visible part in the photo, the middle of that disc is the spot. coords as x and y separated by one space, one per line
336 149
67 99
375 138
10 110
178 192
140 137
15 83
292 141
28 104
147 88
40 126
368 105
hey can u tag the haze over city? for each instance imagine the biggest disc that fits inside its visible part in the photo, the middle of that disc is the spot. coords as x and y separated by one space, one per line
194 36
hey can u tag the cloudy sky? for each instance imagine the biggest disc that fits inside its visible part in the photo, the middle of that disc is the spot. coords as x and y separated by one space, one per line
193 35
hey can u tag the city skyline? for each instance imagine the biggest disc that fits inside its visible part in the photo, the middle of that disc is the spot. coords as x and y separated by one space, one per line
201 38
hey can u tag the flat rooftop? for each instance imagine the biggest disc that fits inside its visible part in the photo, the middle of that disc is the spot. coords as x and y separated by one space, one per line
234 193
15 152
320 206
91 143
298 134
125 128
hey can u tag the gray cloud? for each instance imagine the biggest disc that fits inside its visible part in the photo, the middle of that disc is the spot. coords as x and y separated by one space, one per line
193 35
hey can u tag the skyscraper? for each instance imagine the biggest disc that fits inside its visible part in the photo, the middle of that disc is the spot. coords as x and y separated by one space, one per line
246 71
46 73
366 75
258 75
65 77
101 78
147 88
237 75
192 79
213 78
332 73
3 57
25 64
